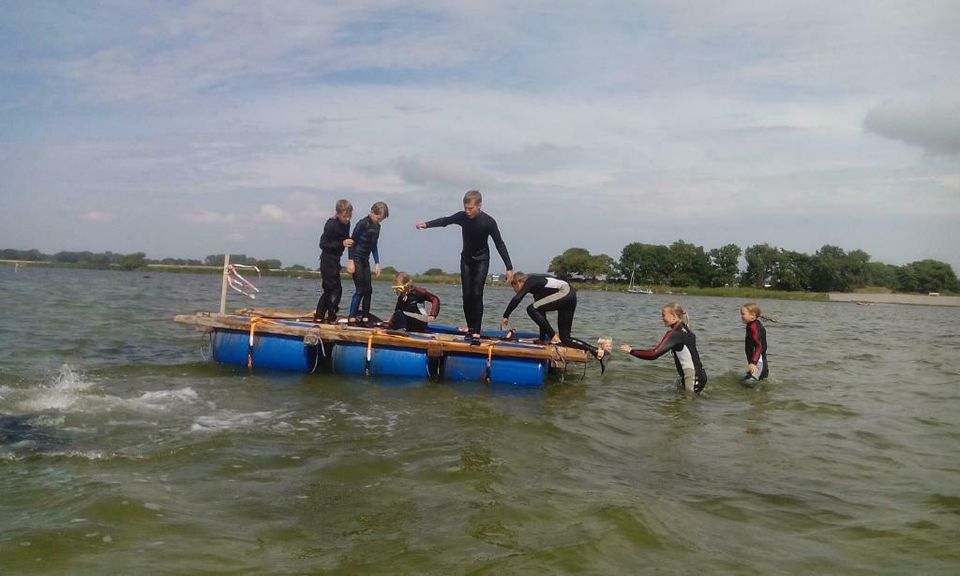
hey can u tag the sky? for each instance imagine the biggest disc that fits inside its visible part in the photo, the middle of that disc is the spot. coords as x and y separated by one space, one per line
183 129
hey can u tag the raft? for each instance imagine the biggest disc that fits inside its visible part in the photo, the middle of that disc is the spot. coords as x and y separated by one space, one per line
291 341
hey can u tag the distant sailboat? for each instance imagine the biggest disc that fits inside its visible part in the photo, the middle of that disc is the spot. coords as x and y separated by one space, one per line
633 289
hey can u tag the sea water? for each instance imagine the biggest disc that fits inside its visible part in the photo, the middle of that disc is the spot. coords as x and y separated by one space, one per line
124 450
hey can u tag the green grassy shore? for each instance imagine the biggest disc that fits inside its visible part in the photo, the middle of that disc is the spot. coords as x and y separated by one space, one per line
728 292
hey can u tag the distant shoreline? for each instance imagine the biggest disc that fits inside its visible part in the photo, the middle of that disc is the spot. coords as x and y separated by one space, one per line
744 293
913 299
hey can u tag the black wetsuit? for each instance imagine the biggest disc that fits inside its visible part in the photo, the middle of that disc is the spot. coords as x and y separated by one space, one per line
331 249
475 259
755 347
683 343
550 294
411 307
365 236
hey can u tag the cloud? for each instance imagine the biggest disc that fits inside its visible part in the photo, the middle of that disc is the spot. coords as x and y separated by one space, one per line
273 213
208 217
97 217
930 123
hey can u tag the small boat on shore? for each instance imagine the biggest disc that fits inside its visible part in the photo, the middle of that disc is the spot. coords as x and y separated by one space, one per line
280 340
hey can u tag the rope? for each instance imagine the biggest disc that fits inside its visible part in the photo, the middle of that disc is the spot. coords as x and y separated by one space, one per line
366 368
486 375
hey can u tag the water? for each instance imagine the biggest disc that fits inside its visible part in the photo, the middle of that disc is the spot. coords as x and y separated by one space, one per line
123 451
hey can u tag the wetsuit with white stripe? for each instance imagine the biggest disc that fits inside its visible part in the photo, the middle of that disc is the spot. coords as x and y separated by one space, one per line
683 343
755 347
475 259
550 294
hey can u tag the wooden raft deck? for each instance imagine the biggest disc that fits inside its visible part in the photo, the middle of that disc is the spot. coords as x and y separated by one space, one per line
301 325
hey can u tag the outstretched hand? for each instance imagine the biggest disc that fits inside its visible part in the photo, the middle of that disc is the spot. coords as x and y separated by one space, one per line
421 225
626 348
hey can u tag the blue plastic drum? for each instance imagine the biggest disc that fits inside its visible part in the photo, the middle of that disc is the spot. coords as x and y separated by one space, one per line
351 358
270 351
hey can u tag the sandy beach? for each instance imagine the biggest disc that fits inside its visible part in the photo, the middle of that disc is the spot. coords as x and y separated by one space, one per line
917 299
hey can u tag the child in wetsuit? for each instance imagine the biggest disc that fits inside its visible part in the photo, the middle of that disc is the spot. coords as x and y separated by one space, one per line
683 343
411 311
550 294
755 342
365 236
335 237
476 226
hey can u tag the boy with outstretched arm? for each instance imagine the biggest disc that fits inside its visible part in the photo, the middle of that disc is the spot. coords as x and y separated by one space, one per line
477 227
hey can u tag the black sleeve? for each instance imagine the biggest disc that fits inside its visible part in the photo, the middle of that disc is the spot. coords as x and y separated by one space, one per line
529 284
329 241
445 221
500 244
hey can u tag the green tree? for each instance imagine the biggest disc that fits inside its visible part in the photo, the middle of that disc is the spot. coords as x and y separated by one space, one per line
649 263
434 272
725 265
834 270
572 262
133 261
791 271
933 276
879 274
761 259
689 265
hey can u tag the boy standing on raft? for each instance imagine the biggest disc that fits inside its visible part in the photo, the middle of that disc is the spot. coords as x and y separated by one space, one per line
335 237
477 226
365 236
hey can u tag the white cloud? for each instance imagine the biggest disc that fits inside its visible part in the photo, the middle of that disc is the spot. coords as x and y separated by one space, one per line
273 213
97 217
209 217
930 123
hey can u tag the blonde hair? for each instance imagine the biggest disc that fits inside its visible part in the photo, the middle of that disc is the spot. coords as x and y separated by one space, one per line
380 209
402 279
754 308
472 197
677 310
518 278
344 207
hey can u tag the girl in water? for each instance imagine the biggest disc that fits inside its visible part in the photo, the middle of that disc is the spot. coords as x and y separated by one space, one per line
755 342
683 343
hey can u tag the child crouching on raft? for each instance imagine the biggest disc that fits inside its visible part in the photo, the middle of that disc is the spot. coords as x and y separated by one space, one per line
411 311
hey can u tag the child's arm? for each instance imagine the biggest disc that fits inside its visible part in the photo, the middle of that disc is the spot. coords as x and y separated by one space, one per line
328 240
434 302
753 333
501 248
440 222
653 353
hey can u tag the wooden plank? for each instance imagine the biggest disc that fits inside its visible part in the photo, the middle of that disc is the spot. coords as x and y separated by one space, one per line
436 344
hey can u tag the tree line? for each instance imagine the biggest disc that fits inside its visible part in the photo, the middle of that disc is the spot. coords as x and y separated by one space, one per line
135 260
830 269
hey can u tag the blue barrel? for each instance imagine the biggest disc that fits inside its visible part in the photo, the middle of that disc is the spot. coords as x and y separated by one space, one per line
513 371
270 351
351 358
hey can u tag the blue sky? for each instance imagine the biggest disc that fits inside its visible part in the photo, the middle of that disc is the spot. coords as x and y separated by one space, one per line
183 129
